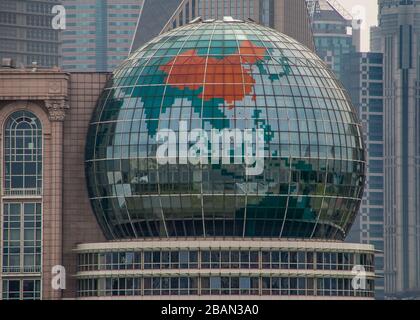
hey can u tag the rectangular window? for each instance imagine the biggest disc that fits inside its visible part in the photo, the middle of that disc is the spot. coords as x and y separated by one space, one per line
21 289
21 237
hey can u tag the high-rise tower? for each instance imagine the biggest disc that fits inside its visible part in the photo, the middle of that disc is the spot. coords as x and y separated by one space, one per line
26 33
333 34
364 82
399 23
99 33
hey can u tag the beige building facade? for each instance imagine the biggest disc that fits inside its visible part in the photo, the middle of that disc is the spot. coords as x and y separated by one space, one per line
34 242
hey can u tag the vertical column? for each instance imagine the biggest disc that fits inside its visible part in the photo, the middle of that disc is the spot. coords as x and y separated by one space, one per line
53 197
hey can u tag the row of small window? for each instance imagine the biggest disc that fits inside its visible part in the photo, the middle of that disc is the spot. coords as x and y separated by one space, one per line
8 32
38 20
307 169
330 28
140 195
7 17
138 185
42 60
134 121
223 212
40 47
284 132
261 286
21 289
39 7
223 259
8 5
138 141
238 9
130 115
272 151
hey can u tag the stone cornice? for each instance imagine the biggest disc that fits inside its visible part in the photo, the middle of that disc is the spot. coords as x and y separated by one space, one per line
26 85
48 88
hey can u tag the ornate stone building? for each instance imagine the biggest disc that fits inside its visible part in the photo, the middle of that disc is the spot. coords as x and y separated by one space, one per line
43 116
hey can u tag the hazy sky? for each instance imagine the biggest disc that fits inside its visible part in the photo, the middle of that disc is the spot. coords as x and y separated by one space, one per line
371 9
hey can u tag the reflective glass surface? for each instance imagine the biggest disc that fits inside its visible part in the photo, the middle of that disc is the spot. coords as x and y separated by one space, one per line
219 76
224 259
266 285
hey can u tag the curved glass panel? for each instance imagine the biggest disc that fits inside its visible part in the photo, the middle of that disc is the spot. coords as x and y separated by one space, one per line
225 76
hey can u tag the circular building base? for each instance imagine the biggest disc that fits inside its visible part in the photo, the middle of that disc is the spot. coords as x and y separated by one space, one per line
225 269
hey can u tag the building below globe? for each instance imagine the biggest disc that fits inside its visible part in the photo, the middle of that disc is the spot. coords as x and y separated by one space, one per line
228 269
72 148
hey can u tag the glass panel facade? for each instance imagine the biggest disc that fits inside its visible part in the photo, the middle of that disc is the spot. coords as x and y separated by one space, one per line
224 259
221 285
215 76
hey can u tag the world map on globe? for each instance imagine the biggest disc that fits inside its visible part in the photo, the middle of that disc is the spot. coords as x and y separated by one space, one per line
227 77
214 84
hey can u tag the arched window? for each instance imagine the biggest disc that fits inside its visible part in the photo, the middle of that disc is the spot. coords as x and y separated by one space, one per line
23 154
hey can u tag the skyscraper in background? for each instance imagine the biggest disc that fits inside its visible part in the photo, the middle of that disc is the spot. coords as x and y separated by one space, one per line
26 33
99 33
338 44
287 16
375 39
364 82
399 24
153 16
333 34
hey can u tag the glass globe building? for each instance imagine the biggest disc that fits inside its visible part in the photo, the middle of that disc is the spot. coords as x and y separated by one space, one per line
229 75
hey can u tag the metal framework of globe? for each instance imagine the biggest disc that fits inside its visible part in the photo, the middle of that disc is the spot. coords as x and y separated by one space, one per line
226 75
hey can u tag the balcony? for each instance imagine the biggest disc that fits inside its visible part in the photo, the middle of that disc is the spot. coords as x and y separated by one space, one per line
18 269
23 193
